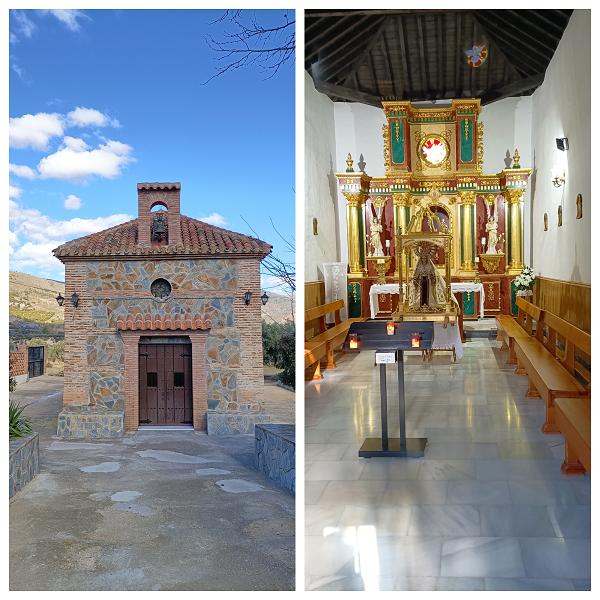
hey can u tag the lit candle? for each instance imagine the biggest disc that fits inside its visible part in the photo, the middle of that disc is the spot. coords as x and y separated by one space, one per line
353 340
416 342
390 328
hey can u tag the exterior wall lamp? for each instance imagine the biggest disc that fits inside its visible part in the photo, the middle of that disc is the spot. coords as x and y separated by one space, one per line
247 297
264 298
75 299
60 299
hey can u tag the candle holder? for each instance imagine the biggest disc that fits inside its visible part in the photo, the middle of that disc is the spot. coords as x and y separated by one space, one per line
415 340
353 341
390 328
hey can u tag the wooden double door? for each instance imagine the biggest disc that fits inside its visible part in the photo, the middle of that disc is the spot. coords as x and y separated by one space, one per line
165 384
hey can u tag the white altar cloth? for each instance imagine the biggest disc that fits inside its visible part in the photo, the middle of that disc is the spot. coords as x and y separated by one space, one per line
444 339
392 288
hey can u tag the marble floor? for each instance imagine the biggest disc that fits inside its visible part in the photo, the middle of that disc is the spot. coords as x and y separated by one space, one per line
485 509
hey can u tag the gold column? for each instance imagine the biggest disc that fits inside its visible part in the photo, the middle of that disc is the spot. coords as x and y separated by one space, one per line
402 207
514 200
467 210
354 204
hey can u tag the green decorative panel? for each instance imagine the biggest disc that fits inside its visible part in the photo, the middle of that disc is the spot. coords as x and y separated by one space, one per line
361 238
397 137
354 300
514 309
468 304
466 140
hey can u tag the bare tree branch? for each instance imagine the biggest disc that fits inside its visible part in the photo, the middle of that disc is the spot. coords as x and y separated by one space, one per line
270 48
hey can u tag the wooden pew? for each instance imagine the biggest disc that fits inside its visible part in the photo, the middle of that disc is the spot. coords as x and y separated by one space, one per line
327 340
522 326
574 420
551 372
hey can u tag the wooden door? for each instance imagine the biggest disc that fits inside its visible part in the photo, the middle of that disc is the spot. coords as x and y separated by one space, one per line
165 384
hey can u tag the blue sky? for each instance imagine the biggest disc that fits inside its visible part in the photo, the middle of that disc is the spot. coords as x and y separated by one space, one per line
101 100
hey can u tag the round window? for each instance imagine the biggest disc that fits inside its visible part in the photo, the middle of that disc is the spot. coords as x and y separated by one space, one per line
160 288
434 150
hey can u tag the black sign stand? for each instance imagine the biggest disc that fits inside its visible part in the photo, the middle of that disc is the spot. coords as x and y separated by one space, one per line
372 336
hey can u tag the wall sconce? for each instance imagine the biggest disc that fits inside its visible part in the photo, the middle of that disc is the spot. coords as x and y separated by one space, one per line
562 144
264 298
60 299
557 179
75 299
247 297
354 340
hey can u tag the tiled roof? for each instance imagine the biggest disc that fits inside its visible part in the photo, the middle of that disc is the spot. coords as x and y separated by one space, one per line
197 238
183 322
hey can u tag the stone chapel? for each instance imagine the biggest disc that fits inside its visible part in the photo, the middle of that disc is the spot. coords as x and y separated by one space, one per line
162 325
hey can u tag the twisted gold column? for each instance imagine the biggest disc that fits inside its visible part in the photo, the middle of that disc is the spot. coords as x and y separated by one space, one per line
354 204
401 211
467 210
514 202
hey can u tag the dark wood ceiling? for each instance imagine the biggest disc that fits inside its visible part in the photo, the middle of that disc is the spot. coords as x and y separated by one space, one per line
418 55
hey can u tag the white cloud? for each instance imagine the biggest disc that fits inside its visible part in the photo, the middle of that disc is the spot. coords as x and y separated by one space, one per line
14 191
72 202
35 255
22 171
34 130
82 117
74 162
25 25
214 219
68 17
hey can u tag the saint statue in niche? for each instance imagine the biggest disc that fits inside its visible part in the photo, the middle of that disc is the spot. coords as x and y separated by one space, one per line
491 227
375 237
426 286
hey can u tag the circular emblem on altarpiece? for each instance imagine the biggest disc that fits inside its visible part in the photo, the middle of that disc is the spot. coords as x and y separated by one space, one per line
434 150
160 288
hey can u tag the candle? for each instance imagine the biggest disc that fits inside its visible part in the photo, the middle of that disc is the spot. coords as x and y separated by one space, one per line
416 342
387 243
353 340
477 259
390 328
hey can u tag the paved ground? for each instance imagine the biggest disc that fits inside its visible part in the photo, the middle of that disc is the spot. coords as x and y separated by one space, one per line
149 511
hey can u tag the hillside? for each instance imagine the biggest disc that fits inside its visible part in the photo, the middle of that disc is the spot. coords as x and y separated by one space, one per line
279 309
33 310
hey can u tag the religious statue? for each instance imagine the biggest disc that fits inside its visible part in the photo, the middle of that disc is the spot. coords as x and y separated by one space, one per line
491 228
426 286
501 240
375 237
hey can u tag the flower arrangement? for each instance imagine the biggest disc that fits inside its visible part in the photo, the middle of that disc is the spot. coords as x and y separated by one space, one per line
525 280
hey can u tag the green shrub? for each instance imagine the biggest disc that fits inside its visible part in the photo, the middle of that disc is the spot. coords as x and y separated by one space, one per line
287 349
37 342
18 424
56 352
271 336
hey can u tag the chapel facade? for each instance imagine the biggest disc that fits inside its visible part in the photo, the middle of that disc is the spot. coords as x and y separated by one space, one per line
162 325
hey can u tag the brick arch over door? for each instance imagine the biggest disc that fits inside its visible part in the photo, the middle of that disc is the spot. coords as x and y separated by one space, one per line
132 398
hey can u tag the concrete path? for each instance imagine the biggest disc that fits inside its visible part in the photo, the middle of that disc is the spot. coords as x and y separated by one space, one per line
148 511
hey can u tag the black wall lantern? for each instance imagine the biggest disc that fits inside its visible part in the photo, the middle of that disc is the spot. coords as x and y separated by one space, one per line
60 299
75 299
247 297
264 298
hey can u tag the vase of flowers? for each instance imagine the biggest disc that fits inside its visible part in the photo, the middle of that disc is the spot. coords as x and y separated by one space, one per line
524 282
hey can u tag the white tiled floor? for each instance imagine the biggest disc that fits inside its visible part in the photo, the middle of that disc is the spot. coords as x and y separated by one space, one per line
486 508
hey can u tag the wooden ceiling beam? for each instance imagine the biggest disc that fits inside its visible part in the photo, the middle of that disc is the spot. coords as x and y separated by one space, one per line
372 76
440 54
458 58
335 39
387 64
513 89
527 23
329 29
424 77
311 14
404 54
358 61
546 56
549 22
497 48
347 94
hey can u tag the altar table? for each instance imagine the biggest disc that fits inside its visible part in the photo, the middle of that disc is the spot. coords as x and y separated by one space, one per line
392 288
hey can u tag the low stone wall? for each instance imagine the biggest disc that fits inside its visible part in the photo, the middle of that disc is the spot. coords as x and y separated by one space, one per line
234 422
87 423
275 453
23 461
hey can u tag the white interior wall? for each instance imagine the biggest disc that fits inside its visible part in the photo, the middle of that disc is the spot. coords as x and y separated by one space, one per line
321 185
562 108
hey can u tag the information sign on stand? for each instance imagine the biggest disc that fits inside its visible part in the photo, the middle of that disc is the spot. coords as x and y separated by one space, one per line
374 335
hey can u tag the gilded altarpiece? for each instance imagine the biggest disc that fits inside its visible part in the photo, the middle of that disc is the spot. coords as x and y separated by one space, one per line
439 149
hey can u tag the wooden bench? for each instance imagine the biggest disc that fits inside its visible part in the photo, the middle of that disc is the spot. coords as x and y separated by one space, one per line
551 372
521 327
328 340
574 420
